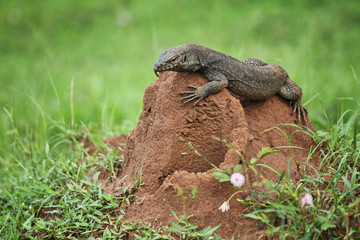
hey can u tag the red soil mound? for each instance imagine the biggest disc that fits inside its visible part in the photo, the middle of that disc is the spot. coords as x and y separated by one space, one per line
168 165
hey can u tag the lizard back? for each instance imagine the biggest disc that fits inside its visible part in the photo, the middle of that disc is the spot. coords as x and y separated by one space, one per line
248 81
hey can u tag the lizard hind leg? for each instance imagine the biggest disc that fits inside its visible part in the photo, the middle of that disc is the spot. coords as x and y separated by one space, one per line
292 92
300 110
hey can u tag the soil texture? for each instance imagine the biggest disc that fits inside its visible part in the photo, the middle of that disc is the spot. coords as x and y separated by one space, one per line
158 149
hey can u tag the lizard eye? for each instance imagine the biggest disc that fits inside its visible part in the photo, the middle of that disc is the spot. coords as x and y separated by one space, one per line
173 59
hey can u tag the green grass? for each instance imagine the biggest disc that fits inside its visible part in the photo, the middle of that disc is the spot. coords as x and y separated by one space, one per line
74 68
335 188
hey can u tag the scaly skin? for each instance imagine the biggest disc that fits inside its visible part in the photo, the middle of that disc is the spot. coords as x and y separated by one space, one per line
251 79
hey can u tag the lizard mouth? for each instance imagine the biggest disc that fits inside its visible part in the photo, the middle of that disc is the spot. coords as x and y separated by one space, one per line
157 72
158 69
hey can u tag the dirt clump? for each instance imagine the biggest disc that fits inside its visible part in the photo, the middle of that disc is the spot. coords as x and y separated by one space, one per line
171 170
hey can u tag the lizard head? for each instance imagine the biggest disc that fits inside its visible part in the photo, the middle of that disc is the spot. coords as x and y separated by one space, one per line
180 59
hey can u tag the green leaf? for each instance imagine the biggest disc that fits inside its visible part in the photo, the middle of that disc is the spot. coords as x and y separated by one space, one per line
272 169
354 141
208 231
47 150
174 227
283 207
263 215
282 176
348 185
40 223
179 191
238 168
174 213
193 192
222 177
47 188
94 218
70 187
265 151
253 216
326 226
96 176
254 160
27 223
248 203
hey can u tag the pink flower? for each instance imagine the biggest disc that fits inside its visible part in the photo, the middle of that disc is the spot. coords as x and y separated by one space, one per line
237 179
306 199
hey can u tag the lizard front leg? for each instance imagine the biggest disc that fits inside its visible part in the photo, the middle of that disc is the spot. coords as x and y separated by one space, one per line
217 82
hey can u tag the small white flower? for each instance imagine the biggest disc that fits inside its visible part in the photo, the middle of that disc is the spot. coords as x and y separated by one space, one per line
224 207
307 199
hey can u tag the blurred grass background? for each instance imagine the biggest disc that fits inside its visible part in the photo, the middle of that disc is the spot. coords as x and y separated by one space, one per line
97 56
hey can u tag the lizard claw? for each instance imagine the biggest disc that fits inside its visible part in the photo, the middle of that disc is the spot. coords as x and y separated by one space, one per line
300 110
192 95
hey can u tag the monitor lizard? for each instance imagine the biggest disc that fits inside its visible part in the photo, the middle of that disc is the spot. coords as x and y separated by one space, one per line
250 79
